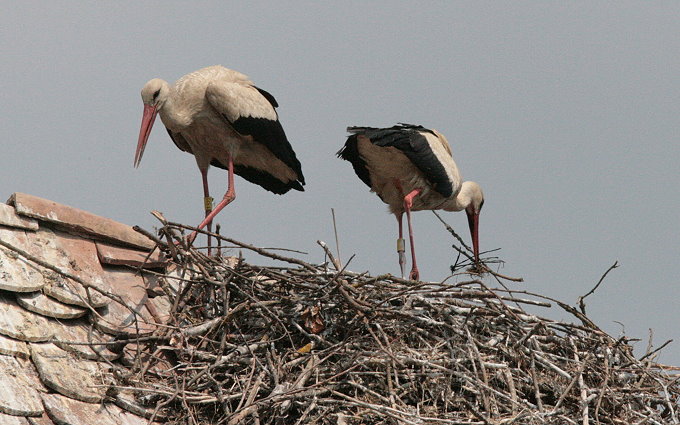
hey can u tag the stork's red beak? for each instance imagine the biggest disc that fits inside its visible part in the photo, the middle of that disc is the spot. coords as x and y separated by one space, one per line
473 221
148 118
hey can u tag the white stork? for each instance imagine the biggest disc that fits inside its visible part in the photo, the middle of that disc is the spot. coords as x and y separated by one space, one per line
411 169
220 117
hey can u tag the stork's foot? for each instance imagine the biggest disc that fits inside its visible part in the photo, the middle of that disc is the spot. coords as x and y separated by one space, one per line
415 274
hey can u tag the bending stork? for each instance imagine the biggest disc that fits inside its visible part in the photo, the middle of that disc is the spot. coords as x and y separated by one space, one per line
411 169
220 117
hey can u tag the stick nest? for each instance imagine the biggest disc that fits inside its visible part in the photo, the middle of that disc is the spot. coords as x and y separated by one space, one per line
311 344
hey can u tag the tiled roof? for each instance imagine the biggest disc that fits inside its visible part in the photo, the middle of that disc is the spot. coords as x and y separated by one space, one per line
70 283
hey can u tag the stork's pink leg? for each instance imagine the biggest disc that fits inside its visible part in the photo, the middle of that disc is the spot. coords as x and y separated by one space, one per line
207 204
228 197
408 203
400 242
400 245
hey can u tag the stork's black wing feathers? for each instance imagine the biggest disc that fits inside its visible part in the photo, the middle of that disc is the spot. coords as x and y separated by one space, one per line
411 141
270 134
266 180
268 96
350 152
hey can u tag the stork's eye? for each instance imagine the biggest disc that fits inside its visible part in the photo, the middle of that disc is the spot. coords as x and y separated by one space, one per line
156 93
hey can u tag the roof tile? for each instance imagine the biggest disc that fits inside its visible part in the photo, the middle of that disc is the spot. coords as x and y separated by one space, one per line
67 411
116 319
13 347
118 256
77 220
9 217
80 379
131 419
132 317
69 291
17 397
21 324
15 420
75 256
39 420
73 333
40 303
126 400
17 274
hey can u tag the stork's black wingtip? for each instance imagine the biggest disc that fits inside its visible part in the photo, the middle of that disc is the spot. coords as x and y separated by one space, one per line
298 186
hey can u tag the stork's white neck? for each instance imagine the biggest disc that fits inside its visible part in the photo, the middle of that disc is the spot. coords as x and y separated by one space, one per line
174 117
467 195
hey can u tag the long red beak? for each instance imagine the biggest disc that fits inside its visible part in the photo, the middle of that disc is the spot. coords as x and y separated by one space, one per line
148 118
473 221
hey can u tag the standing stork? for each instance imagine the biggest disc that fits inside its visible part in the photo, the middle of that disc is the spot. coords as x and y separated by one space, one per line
220 117
411 169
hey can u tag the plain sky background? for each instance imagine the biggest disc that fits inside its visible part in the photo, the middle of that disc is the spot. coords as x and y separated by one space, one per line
566 113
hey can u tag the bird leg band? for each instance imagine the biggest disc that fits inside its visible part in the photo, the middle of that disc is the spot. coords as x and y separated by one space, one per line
401 245
208 203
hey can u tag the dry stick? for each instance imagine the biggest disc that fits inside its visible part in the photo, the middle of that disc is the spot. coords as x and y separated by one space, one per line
455 235
588 325
669 403
469 257
307 411
239 415
513 392
262 251
341 285
502 276
335 261
571 384
148 235
650 343
534 379
657 350
479 415
253 248
169 245
582 304
300 382
337 240
603 388
581 385
394 413
502 304
485 378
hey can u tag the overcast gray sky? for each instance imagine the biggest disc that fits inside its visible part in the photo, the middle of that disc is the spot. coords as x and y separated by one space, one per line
566 113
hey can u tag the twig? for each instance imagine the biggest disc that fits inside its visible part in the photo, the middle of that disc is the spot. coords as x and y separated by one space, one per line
337 240
334 261
581 299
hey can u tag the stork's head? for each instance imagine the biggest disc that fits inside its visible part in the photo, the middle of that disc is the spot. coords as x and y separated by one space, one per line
154 95
155 92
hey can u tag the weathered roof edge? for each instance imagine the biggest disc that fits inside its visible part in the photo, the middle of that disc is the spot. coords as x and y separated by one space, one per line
78 221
